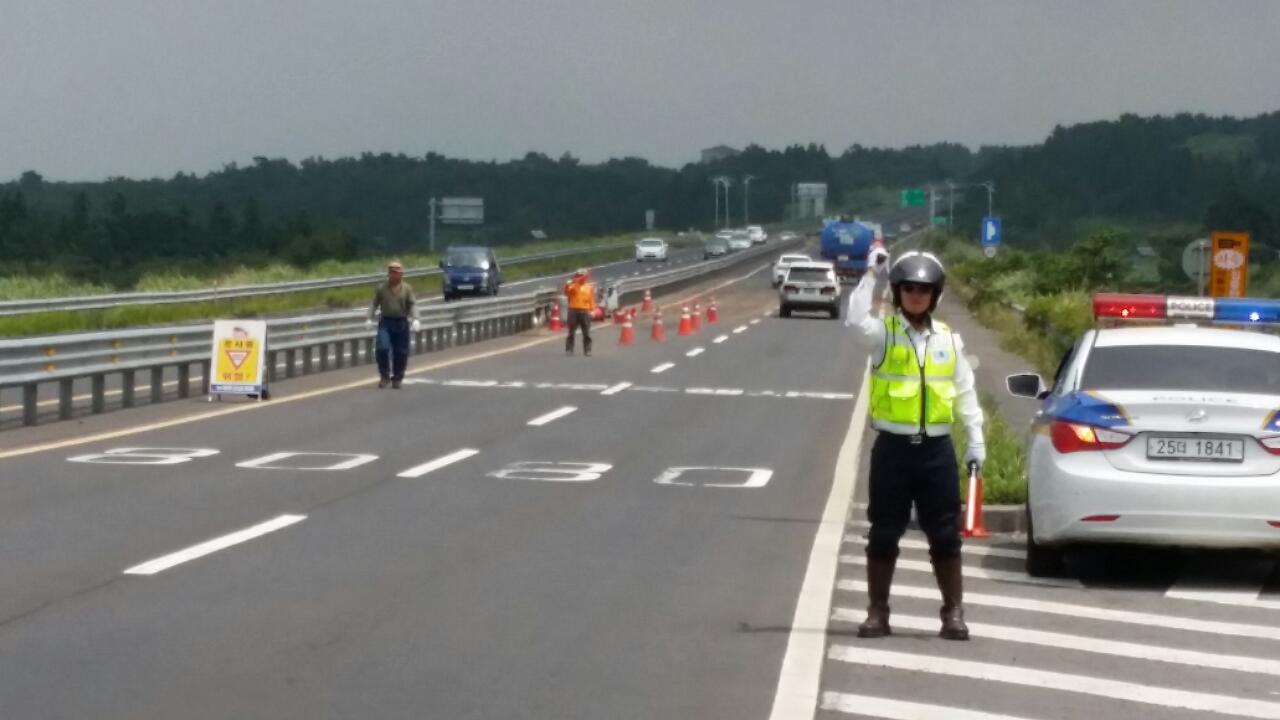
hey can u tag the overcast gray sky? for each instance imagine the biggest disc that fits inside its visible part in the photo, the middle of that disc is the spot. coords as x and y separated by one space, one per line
145 88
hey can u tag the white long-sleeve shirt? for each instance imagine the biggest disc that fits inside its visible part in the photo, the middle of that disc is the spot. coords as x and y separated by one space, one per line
872 334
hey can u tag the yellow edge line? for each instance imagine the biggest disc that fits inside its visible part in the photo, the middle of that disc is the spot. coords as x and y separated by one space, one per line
209 415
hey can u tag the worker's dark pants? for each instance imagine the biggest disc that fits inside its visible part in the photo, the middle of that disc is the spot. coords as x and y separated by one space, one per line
393 345
579 319
923 473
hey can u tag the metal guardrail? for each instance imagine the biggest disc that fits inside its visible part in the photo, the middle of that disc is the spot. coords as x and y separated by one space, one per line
294 345
97 302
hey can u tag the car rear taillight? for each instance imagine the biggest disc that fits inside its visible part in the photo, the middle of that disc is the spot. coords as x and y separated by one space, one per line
1270 444
828 291
791 289
1071 437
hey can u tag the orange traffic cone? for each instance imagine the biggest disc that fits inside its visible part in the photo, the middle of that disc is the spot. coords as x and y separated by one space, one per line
628 335
556 323
973 527
713 315
619 316
659 333
686 324
696 318
647 305
633 312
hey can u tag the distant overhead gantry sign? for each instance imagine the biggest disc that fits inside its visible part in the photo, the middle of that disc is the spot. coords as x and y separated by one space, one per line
462 210
810 199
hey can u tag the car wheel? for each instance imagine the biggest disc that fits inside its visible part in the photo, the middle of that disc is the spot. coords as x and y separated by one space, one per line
835 313
1042 561
784 311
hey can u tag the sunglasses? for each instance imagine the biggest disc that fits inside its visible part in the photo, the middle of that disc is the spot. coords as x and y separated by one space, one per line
916 288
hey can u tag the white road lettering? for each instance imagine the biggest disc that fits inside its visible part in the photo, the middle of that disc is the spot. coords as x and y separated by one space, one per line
552 416
438 463
144 456
151 567
755 477
274 461
544 471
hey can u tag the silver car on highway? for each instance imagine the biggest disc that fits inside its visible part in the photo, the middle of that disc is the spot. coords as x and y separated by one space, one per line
810 286
1163 435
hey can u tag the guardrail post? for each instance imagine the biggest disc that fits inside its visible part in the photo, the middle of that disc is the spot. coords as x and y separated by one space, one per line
324 356
418 342
29 403
127 386
339 354
290 357
99 399
184 380
368 350
157 385
306 360
206 377
65 396
272 373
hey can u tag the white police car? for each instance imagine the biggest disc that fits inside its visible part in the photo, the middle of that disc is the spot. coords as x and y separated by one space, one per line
1165 434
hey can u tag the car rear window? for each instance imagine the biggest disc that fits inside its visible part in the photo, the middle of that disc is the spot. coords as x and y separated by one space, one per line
808 274
1182 367
651 243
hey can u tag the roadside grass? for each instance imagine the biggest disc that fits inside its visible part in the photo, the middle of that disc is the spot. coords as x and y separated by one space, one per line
1004 473
318 301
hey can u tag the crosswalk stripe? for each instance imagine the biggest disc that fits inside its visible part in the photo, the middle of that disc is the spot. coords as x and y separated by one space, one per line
1202 581
879 707
967 548
1066 682
979 573
1237 663
1084 612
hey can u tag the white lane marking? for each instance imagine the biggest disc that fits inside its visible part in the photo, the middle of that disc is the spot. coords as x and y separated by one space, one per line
695 352
438 463
967 548
730 392
615 389
1087 612
151 567
740 328
1137 651
797 692
720 339
470 383
879 707
268 462
978 573
1233 582
1066 682
552 416
662 368
755 321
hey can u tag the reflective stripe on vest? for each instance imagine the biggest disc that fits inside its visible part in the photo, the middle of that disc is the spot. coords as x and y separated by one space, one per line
898 404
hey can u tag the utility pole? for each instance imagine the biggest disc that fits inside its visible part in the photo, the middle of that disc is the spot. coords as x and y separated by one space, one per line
715 190
431 238
727 182
951 205
933 204
991 190
746 198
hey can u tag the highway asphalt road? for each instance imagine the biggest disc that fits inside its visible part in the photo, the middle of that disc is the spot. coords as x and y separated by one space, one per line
637 556
11 399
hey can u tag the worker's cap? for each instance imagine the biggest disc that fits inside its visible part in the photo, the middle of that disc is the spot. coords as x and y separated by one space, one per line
395 265
580 272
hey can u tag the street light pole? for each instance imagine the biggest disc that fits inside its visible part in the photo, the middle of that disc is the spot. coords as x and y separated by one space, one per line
727 182
715 190
951 205
991 189
746 199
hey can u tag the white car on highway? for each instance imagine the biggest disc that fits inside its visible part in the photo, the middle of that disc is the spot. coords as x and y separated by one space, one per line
1165 435
757 233
780 267
651 249
740 240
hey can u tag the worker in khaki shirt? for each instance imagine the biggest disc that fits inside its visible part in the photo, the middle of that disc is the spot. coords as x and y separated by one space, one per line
582 303
395 299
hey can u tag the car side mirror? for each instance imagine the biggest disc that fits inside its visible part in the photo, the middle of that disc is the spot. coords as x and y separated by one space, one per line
1028 385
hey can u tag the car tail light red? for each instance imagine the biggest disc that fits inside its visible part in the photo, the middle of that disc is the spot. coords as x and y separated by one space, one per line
1270 444
1100 518
828 291
1274 523
792 289
1071 437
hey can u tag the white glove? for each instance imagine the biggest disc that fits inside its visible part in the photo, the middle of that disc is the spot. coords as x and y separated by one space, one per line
878 258
368 322
975 454
417 325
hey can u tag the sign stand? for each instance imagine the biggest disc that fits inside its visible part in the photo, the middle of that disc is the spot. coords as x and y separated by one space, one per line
238 359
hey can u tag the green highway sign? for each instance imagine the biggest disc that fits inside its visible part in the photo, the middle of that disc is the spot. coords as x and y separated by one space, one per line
939 220
911 197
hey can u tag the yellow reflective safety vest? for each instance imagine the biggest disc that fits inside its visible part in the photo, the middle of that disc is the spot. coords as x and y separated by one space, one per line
908 398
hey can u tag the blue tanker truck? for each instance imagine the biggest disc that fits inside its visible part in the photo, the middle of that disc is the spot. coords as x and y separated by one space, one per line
845 243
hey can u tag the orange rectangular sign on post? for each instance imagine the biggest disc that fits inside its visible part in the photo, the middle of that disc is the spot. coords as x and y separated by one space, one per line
1229 276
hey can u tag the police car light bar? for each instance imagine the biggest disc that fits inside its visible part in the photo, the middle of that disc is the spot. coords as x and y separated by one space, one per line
1247 311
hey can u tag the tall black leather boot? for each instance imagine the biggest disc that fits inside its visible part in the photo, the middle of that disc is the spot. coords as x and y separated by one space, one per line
951 582
879 578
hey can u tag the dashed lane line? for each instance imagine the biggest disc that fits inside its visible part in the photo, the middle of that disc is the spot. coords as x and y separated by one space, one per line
160 564
552 416
615 389
740 329
1137 651
433 465
1066 682
662 368
979 573
1084 612
695 352
720 339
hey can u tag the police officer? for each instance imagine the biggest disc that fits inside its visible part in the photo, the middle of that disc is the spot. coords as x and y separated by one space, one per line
396 301
920 383
582 302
